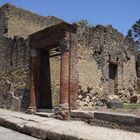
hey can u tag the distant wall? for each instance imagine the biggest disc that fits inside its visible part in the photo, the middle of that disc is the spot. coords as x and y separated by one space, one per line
98 46
138 72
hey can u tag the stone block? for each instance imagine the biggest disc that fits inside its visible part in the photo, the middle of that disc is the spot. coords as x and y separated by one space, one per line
82 114
137 121
15 123
118 118
133 99
127 120
114 103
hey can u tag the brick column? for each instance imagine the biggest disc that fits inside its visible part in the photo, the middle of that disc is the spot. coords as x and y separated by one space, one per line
64 75
33 82
74 78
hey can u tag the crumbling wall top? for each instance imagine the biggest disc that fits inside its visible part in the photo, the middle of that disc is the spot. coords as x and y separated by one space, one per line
23 22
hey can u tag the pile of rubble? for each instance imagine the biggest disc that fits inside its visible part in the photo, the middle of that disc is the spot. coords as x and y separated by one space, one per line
128 96
90 98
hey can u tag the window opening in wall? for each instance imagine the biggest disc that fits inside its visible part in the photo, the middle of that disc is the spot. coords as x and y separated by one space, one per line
112 71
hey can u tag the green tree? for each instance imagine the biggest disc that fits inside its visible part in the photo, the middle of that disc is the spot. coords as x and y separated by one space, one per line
134 32
129 33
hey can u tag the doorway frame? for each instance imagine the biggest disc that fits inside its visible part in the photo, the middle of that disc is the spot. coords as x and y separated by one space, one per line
64 36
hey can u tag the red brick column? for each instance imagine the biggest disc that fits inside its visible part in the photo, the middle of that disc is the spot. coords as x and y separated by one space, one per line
64 75
33 83
74 78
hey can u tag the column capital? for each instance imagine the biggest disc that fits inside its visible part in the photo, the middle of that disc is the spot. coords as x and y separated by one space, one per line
65 44
34 52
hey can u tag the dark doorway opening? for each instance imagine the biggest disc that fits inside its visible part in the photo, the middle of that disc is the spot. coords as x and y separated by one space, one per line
112 71
44 96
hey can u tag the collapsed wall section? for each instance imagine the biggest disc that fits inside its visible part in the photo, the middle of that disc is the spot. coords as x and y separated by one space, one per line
106 63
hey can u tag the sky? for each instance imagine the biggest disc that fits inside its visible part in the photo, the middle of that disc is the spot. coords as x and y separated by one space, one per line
121 14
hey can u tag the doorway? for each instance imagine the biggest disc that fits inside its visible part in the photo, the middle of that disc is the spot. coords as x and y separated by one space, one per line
44 96
113 82
112 71
64 36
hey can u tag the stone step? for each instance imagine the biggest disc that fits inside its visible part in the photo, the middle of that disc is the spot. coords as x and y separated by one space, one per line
118 120
45 114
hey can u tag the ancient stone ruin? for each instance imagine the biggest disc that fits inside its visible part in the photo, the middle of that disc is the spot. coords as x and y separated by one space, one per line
47 63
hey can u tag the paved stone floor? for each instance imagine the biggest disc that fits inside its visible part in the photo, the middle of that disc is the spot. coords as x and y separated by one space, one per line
8 134
53 129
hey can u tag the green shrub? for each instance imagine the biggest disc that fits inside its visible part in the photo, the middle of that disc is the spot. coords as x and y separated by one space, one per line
132 106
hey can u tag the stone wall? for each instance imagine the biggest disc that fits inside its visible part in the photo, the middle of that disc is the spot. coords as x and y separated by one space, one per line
89 73
129 74
99 47
55 80
138 72
15 26
23 23
14 73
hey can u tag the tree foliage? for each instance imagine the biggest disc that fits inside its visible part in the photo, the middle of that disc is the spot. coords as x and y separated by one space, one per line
134 32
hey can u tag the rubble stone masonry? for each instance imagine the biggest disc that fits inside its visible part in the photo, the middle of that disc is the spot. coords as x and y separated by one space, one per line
100 48
102 52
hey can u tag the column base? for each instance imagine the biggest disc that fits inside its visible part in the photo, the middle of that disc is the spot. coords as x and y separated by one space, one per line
64 106
63 113
31 110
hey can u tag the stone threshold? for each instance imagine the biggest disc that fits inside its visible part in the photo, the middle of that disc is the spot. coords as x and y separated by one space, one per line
114 120
45 112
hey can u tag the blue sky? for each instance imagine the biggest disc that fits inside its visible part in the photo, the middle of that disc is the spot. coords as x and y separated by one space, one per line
119 13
